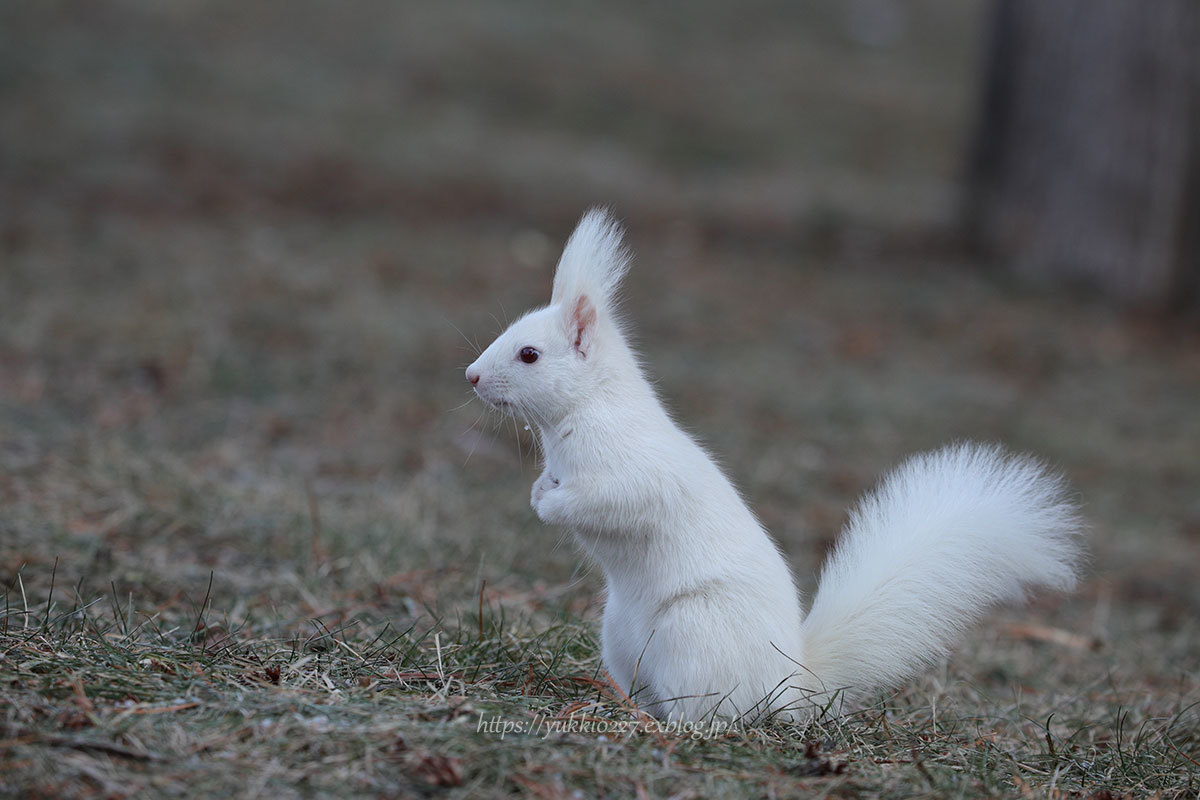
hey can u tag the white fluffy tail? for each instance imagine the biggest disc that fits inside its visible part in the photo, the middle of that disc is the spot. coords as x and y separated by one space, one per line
944 537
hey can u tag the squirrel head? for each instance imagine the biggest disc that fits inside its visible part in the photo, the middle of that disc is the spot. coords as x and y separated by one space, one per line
546 362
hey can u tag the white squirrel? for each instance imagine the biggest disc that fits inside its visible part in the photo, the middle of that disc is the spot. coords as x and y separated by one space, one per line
702 617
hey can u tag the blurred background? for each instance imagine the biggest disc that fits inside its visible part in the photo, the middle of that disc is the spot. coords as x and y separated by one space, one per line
248 247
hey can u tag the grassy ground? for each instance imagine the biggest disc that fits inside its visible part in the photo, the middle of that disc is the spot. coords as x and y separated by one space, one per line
253 543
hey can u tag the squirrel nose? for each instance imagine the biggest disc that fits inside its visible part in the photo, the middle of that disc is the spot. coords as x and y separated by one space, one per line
473 375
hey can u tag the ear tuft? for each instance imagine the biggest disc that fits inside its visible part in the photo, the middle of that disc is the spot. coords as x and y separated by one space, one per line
592 263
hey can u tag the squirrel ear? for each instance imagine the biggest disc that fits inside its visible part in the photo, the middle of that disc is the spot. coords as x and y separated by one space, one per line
581 325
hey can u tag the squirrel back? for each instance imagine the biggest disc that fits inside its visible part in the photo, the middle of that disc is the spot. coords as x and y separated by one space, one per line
701 615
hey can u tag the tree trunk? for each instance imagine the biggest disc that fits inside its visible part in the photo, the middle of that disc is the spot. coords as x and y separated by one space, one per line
1085 164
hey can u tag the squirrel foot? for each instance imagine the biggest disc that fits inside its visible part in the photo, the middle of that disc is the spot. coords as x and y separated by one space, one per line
544 484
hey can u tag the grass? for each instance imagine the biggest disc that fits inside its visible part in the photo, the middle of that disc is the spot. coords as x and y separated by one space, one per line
255 539
107 700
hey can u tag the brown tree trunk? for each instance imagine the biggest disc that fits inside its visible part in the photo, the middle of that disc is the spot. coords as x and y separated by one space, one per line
1086 158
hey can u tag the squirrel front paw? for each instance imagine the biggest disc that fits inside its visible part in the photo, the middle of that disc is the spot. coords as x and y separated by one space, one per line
544 484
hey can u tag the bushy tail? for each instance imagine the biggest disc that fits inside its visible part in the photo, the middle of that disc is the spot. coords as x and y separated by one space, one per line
944 537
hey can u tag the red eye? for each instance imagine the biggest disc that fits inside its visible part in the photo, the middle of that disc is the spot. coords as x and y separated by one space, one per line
528 355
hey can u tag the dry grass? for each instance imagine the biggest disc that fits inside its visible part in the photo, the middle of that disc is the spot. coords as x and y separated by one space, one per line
255 540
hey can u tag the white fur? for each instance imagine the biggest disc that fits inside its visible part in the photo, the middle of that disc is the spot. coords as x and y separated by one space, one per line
702 616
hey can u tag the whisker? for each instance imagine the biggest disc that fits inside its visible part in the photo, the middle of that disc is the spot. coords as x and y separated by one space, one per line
497 426
475 442
464 404
473 345
520 452
521 410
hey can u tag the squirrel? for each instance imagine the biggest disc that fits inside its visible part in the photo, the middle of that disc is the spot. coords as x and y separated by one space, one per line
702 618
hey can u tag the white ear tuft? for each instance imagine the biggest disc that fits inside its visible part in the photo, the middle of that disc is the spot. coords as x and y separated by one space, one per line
592 263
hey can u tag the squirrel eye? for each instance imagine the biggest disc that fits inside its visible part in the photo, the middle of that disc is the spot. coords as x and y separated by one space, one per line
528 355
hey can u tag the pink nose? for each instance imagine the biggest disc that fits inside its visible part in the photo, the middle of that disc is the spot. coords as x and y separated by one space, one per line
472 375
